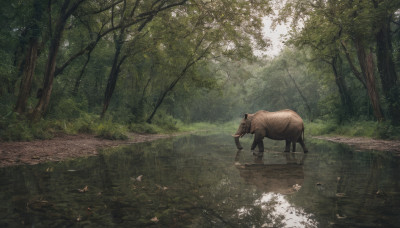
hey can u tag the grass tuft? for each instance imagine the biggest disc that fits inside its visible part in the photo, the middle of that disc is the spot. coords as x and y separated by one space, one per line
372 129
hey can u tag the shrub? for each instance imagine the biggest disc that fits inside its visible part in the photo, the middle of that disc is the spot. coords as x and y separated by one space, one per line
381 130
18 128
109 130
166 122
67 109
144 128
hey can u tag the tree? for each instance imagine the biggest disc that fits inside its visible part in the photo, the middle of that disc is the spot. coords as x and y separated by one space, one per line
46 25
141 14
342 24
68 7
32 35
384 52
205 30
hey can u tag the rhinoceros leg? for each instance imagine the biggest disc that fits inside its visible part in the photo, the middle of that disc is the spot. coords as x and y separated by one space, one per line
301 141
261 146
287 147
258 140
294 146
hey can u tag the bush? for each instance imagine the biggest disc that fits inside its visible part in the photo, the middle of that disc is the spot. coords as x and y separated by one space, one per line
109 130
380 130
319 127
18 128
144 128
166 122
68 109
385 130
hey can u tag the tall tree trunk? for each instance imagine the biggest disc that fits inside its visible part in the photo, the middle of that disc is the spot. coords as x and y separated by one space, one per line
27 78
112 78
143 18
353 68
182 74
367 67
386 68
44 100
163 95
33 32
79 78
173 84
345 98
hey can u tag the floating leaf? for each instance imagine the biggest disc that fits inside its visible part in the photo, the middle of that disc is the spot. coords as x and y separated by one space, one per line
155 219
161 187
340 195
296 187
340 217
380 193
84 189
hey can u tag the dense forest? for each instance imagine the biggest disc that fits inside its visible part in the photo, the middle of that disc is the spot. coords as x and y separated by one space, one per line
100 65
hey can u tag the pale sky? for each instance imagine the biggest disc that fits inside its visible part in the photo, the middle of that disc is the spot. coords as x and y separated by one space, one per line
276 36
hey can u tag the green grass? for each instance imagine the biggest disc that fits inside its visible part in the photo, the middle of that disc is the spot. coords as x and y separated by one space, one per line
18 128
372 129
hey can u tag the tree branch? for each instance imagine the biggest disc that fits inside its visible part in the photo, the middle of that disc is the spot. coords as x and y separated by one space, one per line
352 66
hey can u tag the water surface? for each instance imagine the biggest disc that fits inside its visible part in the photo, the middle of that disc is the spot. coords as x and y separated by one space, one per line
203 181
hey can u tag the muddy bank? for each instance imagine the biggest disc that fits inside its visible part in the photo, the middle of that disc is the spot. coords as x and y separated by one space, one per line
63 147
365 143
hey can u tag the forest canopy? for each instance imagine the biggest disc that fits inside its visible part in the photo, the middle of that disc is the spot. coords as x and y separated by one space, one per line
135 61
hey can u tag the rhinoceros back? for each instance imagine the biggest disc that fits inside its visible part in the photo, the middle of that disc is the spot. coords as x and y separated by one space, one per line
281 125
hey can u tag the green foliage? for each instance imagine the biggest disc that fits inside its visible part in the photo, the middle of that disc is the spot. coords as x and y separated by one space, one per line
166 122
68 109
162 123
200 56
319 127
144 128
373 129
110 130
17 128
386 130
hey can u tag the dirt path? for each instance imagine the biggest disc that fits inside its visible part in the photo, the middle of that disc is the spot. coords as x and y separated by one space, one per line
63 147
365 143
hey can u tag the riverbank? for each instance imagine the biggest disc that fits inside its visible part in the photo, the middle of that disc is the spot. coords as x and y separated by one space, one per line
365 143
63 147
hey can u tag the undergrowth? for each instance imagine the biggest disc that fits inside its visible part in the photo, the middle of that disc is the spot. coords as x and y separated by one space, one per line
18 128
14 127
372 129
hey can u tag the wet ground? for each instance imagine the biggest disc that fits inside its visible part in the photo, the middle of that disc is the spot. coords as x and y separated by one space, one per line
64 147
203 181
365 143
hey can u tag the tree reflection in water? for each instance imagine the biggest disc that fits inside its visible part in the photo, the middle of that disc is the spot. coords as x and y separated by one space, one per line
276 181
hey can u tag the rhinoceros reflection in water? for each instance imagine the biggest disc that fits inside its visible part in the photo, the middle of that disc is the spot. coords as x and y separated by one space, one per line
279 178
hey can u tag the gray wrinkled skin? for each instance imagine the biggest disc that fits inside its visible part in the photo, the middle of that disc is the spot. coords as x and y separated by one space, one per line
281 125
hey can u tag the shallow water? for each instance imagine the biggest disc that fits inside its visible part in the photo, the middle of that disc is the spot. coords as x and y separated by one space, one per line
203 181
